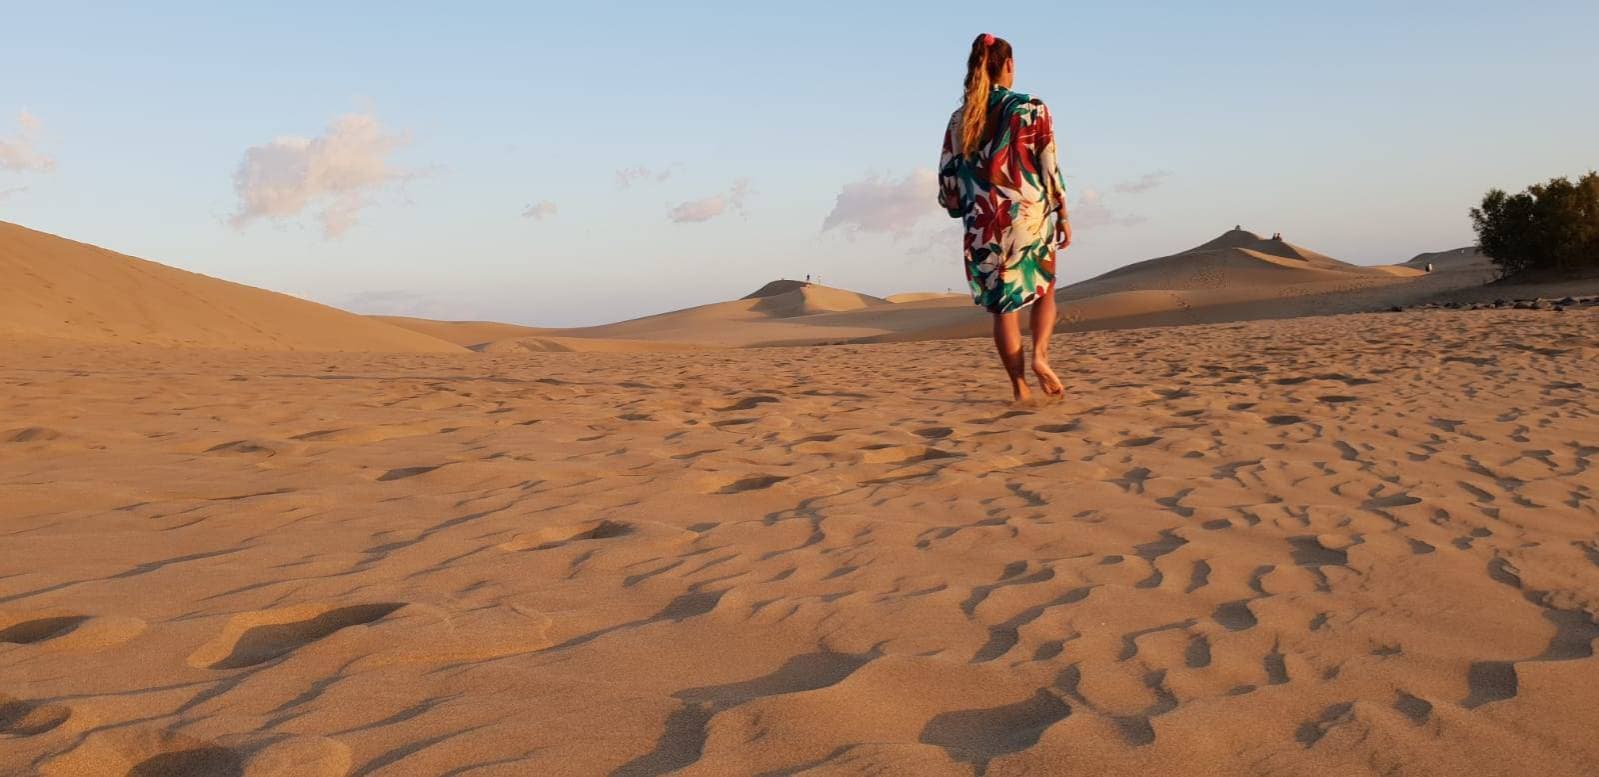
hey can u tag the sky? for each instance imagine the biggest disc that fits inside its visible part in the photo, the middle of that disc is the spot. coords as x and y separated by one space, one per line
567 163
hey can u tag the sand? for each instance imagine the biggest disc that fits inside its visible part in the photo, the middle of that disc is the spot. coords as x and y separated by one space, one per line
1359 544
245 534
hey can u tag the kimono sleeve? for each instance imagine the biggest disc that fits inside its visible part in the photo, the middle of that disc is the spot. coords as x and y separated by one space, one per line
949 190
1053 182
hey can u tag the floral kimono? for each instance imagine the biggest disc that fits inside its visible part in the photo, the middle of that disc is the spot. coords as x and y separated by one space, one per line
1012 199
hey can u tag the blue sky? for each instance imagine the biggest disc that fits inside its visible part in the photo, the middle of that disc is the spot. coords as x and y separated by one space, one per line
1365 130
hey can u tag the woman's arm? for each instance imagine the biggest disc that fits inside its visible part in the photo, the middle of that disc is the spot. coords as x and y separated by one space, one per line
1054 183
949 191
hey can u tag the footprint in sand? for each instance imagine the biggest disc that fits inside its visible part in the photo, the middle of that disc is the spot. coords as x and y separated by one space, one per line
725 486
40 629
978 735
406 472
136 751
246 447
1311 731
19 718
1235 616
59 633
256 638
1057 428
1389 502
208 761
32 434
748 403
557 536
903 454
1419 710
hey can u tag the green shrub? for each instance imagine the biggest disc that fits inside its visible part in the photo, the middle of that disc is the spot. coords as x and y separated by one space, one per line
1550 227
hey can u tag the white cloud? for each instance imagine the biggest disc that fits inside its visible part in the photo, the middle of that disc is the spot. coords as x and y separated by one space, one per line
698 210
19 153
539 211
1143 183
338 172
6 194
1090 211
628 176
881 205
710 207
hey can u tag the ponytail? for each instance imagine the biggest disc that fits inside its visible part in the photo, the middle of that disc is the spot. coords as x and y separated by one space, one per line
983 66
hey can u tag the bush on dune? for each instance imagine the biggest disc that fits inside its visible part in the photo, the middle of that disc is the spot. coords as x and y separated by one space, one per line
1551 228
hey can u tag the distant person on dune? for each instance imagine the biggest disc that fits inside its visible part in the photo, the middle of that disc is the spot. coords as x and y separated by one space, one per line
998 173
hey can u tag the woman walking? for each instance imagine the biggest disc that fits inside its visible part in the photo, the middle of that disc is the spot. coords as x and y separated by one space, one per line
999 174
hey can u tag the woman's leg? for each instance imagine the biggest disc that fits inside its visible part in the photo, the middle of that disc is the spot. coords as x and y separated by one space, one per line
1043 323
1008 339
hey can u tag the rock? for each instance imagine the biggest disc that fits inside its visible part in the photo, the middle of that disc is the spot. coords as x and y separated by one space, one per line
1396 309
1543 304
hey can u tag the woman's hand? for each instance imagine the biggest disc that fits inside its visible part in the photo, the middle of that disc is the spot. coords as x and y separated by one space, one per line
1063 230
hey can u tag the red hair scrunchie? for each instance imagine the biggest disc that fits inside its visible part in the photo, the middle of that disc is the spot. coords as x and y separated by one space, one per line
988 39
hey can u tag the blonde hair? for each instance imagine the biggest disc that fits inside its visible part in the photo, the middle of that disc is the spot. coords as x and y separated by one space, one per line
983 67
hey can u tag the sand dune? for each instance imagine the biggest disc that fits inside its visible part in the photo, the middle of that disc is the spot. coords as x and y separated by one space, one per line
583 345
1236 260
778 311
1237 276
463 333
925 296
59 288
1348 545
71 290
491 337
1459 258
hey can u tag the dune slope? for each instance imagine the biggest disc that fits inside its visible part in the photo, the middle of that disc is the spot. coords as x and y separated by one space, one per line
59 288
464 333
778 311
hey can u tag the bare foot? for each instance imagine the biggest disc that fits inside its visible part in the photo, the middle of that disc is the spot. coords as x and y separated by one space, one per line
1047 379
1020 393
